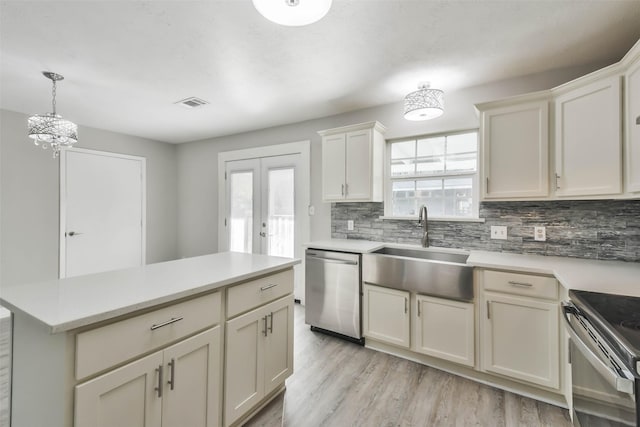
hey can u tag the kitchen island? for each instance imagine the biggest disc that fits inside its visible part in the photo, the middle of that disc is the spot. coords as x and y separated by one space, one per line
146 346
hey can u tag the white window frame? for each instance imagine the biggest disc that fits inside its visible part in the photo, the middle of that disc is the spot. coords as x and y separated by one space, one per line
388 179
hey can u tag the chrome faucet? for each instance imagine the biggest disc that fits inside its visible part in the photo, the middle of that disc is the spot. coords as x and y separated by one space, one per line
422 220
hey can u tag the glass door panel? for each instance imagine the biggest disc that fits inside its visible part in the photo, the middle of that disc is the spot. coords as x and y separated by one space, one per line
241 211
280 212
243 205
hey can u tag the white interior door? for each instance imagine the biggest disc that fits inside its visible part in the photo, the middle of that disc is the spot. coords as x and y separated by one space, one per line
265 200
102 214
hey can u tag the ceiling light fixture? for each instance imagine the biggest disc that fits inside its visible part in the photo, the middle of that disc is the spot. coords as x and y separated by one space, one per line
293 13
423 104
50 129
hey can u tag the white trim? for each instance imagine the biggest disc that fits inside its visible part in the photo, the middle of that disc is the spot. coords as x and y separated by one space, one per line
301 147
63 202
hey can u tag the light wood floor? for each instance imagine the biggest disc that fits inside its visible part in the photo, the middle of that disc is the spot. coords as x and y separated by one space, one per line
336 383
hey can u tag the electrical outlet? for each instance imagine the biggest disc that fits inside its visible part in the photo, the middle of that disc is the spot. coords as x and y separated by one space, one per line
539 234
350 225
499 232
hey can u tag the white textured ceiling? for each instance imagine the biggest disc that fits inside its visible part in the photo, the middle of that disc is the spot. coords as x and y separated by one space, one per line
126 62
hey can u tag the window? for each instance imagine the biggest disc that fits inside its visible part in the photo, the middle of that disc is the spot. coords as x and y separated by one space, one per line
438 171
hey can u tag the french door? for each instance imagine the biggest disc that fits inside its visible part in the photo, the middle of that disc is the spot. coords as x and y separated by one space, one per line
264 202
261 205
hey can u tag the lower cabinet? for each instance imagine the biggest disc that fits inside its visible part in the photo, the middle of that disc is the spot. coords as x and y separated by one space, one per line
444 329
521 339
177 386
259 356
386 315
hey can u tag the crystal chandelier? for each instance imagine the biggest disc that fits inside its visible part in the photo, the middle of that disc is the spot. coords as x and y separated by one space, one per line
50 129
293 13
423 104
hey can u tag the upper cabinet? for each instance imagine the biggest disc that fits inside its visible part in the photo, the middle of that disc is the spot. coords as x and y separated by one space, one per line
588 141
515 149
566 142
632 120
352 163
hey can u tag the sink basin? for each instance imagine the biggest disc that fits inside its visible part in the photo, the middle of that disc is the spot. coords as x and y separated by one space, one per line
424 254
427 272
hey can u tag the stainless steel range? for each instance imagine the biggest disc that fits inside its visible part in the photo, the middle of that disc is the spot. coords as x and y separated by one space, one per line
604 353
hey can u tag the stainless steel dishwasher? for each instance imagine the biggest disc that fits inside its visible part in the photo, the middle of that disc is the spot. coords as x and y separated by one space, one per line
332 293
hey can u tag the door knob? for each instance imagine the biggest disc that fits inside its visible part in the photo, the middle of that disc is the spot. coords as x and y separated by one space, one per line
72 233
263 234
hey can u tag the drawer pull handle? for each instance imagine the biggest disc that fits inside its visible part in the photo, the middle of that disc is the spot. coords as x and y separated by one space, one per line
271 322
159 388
172 377
168 322
520 284
265 326
264 288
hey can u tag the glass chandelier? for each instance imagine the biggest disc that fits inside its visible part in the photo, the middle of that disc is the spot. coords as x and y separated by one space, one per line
51 130
293 13
423 104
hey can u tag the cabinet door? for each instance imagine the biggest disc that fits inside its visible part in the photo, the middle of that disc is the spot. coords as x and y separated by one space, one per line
192 381
632 97
588 140
515 149
445 329
278 352
333 167
386 315
244 369
127 396
520 339
358 165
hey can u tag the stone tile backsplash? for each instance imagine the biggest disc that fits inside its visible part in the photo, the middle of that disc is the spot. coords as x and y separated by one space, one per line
599 229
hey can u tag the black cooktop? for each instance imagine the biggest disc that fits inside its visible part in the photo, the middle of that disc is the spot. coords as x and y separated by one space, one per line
617 316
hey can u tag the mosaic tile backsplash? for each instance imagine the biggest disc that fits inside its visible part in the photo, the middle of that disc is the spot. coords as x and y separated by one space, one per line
602 229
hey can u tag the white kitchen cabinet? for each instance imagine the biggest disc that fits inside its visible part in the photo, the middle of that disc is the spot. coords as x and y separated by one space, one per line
445 329
632 120
353 163
588 143
386 315
515 149
170 388
259 356
520 327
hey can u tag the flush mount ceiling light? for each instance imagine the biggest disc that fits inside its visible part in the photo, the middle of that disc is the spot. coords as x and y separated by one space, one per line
293 13
50 129
423 104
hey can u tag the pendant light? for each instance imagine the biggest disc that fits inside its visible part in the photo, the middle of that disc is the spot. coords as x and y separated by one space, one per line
51 130
423 104
293 13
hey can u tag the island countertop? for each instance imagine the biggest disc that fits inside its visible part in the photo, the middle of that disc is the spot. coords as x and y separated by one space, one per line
70 303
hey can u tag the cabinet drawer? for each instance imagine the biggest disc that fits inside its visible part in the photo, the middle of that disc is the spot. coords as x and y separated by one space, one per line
521 284
244 297
109 345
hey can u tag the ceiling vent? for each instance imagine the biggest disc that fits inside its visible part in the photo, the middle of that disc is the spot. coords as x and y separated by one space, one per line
192 102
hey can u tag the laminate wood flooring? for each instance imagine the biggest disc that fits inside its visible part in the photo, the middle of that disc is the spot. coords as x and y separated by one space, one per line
340 384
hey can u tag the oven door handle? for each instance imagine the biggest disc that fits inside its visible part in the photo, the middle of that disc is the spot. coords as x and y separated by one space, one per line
620 383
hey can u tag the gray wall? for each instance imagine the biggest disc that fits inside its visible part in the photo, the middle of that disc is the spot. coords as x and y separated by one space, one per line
197 161
29 198
598 229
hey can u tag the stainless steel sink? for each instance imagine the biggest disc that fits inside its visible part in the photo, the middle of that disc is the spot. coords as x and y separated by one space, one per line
429 272
424 254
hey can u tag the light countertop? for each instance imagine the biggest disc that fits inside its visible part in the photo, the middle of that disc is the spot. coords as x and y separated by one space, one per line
69 303
614 277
